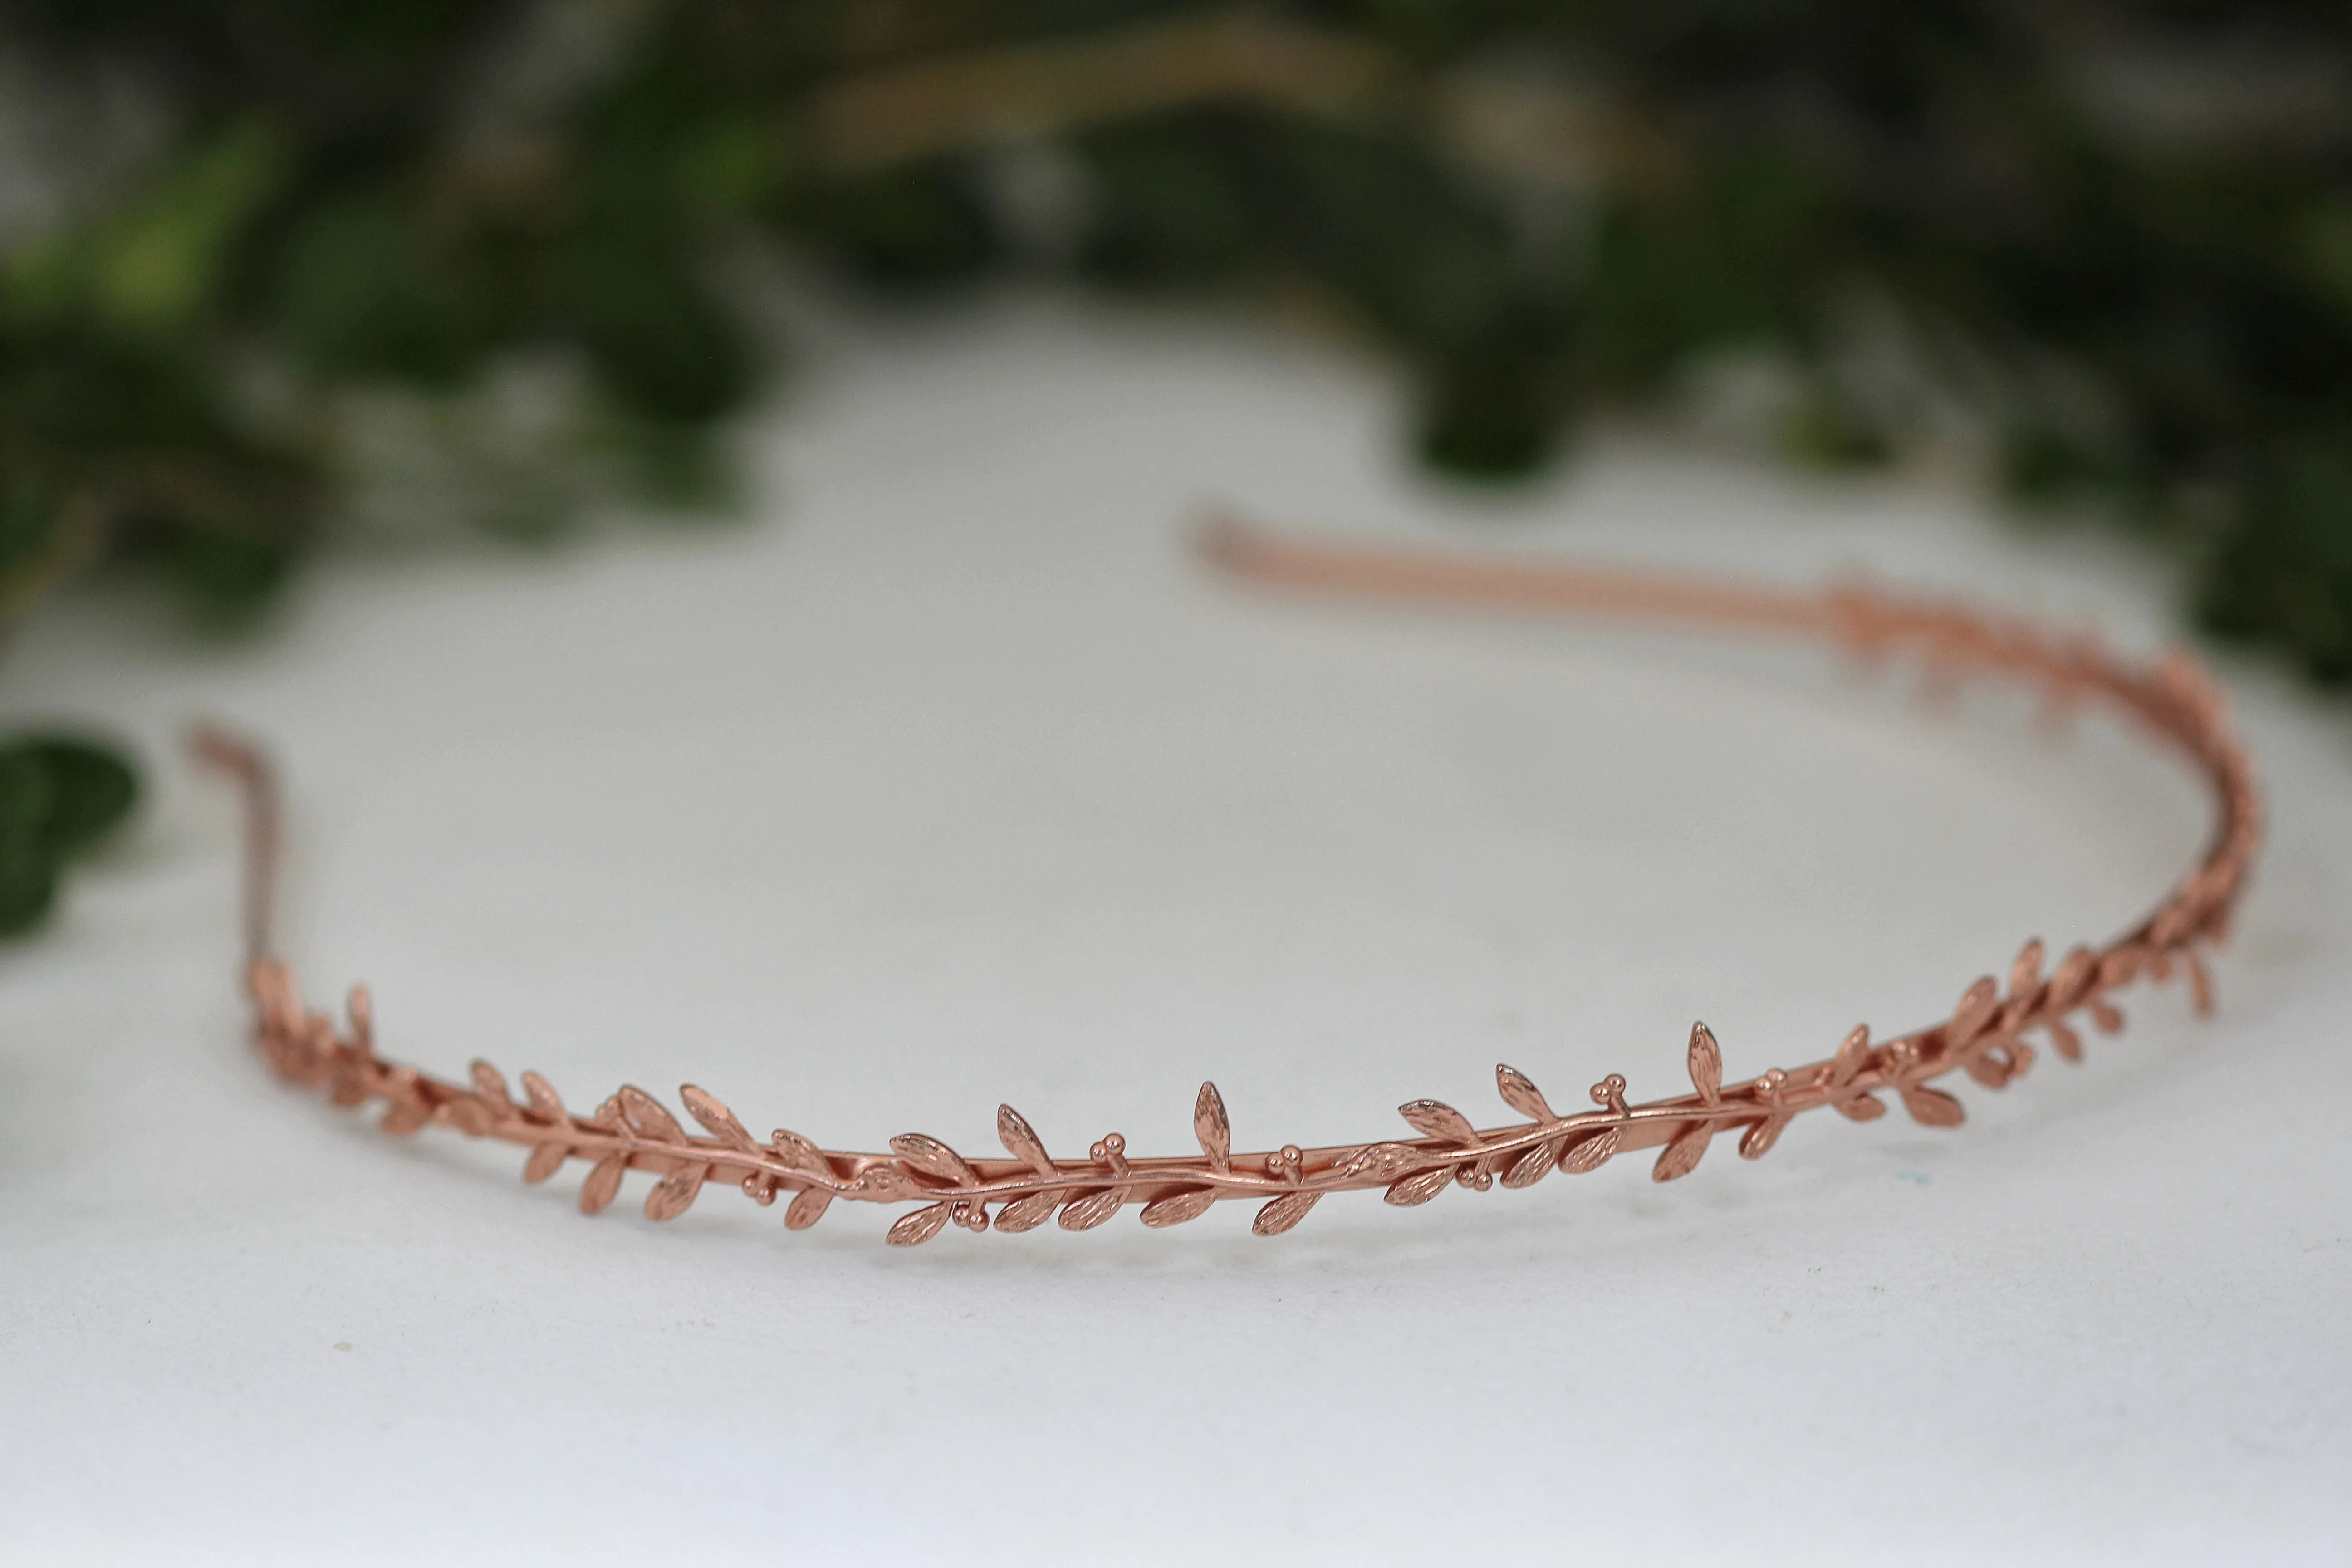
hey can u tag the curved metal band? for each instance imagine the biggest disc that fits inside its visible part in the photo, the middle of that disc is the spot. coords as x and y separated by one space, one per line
1984 1035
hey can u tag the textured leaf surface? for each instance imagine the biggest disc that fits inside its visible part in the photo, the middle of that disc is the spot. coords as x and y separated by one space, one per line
1520 1093
1532 1165
646 1113
1283 1213
913 1230
1210 1125
1021 1140
1093 1209
1758 1141
932 1158
1681 1157
489 1084
1590 1154
1175 1208
1027 1213
715 1117
1852 1054
674 1193
1418 1189
1435 1119
1977 1005
799 1152
807 1207
1380 1163
1706 1064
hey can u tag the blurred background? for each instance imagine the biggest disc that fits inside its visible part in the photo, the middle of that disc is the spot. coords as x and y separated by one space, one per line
281 272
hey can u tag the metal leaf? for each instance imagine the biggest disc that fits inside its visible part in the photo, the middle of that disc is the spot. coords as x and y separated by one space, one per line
1520 1093
1706 1064
1862 1107
807 1207
1029 1213
2025 974
1852 1054
1021 1140
469 1115
1532 1166
1758 1141
1420 1189
2068 1043
404 1118
1094 1208
913 1230
1380 1162
1211 1127
715 1117
1590 1154
646 1113
933 1158
1175 1208
544 1100
799 1152
1681 1157
2076 972
1977 1005
1283 1213
602 1183
1932 1107
545 1160
674 1193
490 1084
1435 1119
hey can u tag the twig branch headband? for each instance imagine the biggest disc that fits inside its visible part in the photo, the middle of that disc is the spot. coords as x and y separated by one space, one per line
1986 1036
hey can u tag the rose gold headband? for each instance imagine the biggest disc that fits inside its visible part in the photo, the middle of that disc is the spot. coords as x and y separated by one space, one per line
1984 1037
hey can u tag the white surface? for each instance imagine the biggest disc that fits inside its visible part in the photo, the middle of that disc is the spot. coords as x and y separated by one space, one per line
948 779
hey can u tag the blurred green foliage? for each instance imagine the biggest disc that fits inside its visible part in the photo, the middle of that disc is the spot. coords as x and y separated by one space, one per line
2115 239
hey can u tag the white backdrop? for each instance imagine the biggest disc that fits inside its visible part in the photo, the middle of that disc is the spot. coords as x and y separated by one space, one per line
945 777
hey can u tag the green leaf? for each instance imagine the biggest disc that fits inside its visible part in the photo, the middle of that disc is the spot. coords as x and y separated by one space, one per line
92 790
161 262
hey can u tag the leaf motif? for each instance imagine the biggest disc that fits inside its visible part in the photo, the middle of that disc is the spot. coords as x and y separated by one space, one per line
1211 1127
1758 1141
807 1207
1027 1214
674 1193
491 1085
2076 972
1681 1157
1021 1140
544 1100
1590 1154
602 1183
405 1118
1435 1119
1862 1107
799 1153
1420 1189
2068 1043
1533 1165
1175 1208
1706 1064
913 1230
1520 1093
469 1116
1380 1162
1977 1005
2201 982
715 1117
2025 974
644 1113
2107 1016
1852 1053
546 1159
1990 1066
1932 1107
1284 1213
933 1158
1093 1209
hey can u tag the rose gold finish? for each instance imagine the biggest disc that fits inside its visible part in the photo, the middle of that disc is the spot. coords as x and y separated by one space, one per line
1983 1037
